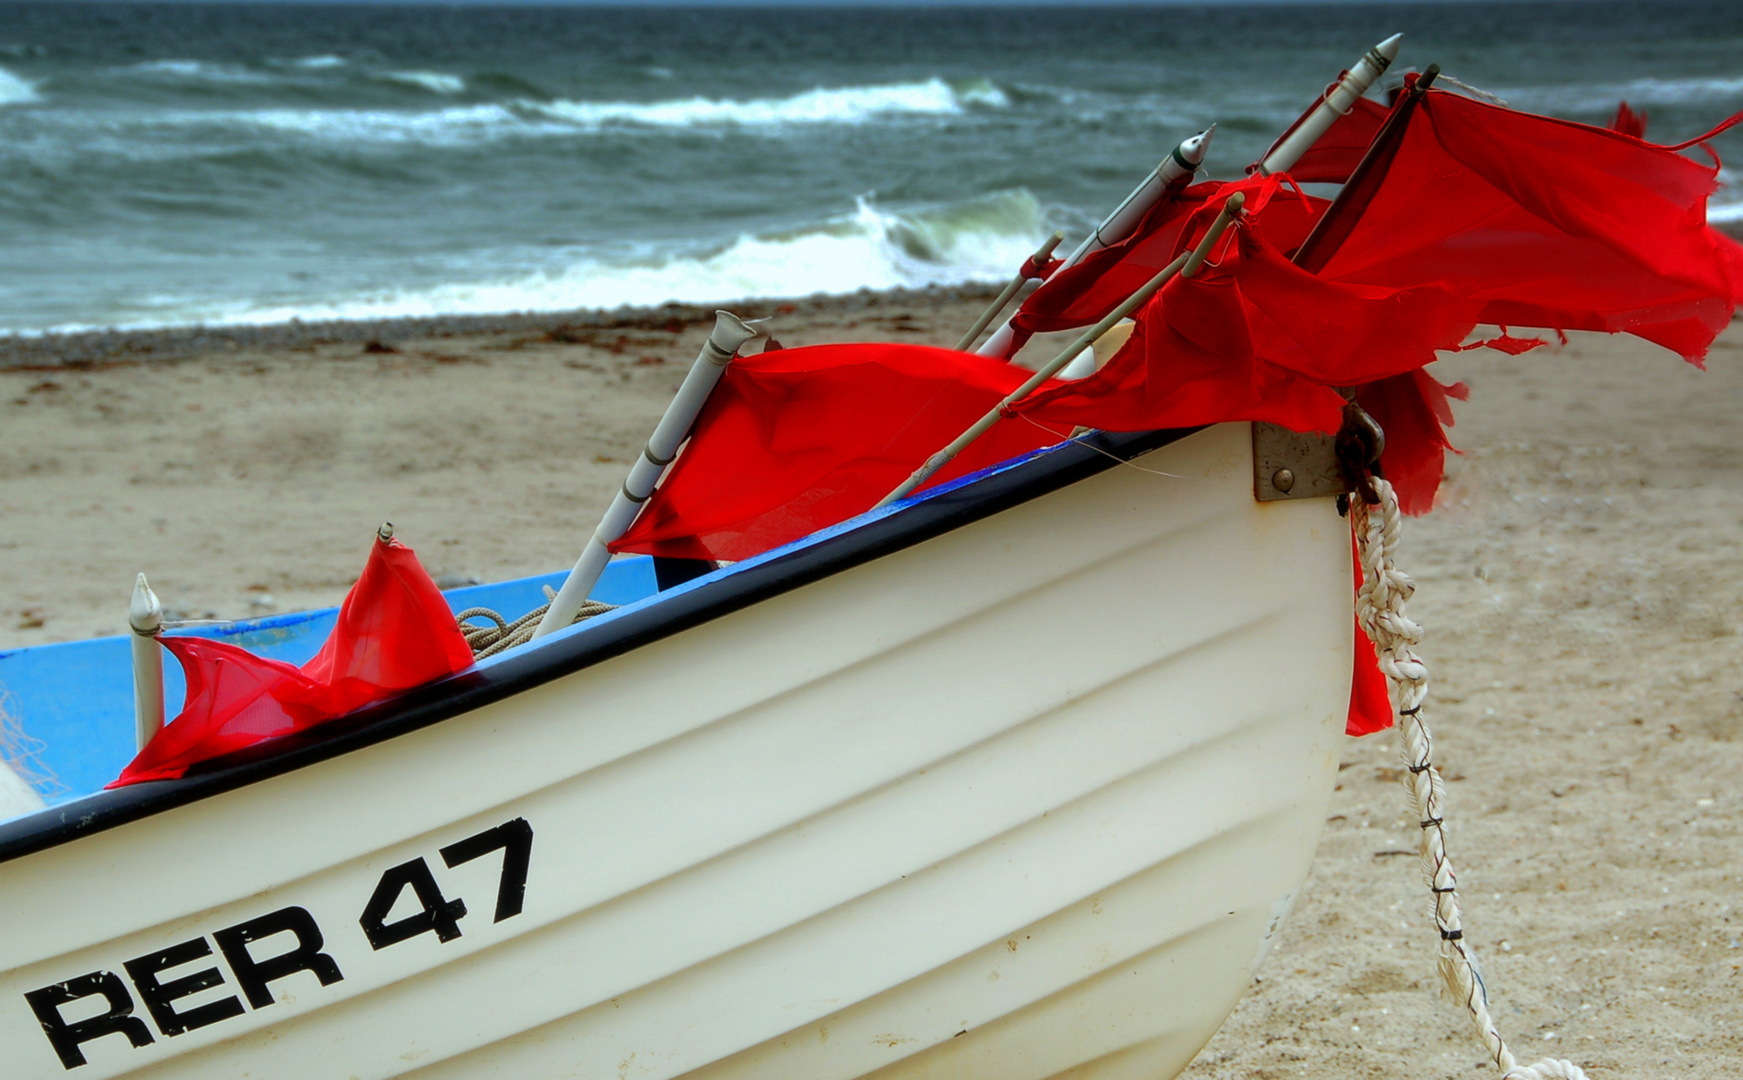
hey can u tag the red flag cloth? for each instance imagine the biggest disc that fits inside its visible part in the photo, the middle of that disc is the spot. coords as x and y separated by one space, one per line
1332 158
394 632
1254 337
1547 223
1083 294
1413 410
1629 121
792 442
1370 709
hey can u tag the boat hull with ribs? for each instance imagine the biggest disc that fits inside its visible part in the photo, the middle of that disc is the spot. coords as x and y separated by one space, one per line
1010 780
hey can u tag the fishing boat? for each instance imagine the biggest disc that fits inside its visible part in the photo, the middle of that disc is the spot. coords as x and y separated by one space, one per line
960 787
1013 775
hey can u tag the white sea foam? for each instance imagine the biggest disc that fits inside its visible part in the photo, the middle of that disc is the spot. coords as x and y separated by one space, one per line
468 124
199 71
982 240
16 91
848 105
435 82
1725 211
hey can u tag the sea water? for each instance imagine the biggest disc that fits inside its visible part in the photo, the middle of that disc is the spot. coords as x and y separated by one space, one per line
222 164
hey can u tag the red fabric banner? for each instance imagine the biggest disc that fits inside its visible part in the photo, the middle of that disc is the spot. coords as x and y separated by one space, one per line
1413 410
1335 154
1547 223
394 632
1083 294
1254 337
798 440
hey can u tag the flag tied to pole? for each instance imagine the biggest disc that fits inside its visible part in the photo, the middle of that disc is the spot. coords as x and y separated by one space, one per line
1545 223
1254 337
394 632
1082 294
1335 154
794 441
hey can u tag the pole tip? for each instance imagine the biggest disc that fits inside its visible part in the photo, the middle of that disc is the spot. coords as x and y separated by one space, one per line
145 613
1235 201
1388 49
385 533
1191 151
731 332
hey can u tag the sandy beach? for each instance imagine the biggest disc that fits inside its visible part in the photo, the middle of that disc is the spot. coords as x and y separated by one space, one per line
1581 586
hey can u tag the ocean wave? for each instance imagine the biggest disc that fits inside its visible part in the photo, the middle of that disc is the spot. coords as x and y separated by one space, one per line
528 117
847 105
199 71
16 91
1725 211
982 239
435 82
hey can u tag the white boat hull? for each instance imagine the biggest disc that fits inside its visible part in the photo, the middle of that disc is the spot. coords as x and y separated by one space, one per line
1023 799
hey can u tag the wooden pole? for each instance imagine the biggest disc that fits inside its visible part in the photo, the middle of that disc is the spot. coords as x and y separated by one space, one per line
1186 265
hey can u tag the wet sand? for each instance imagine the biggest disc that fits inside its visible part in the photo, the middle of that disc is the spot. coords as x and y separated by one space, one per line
1581 587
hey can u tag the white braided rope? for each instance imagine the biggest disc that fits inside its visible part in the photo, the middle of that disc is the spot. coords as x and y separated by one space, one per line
1380 609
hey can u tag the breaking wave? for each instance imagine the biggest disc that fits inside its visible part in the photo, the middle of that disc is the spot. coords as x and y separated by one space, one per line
16 91
981 239
849 105
525 116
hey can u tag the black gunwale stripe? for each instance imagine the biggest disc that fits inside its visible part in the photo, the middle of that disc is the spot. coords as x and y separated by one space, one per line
913 524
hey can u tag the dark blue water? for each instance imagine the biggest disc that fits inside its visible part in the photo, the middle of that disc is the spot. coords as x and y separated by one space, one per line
168 164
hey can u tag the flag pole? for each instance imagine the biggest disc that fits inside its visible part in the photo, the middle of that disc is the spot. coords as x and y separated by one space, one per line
730 334
1185 265
1039 262
1174 171
1296 142
145 619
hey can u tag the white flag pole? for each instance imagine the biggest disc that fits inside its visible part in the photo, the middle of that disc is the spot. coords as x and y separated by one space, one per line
730 334
1353 85
1186 266
1175 169
145 618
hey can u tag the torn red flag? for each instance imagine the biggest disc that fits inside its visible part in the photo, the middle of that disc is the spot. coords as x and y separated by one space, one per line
1083 294
1254 337
802 439
1546 222
394 632
1414 411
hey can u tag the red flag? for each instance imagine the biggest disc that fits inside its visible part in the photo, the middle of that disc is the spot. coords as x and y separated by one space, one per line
1332 158
1545 222
1254 337
394 632
1083 294
798 440
1629 121
1413 410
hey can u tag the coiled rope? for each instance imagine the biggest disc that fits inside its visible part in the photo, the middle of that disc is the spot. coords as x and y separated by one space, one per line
1380 609
502 634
